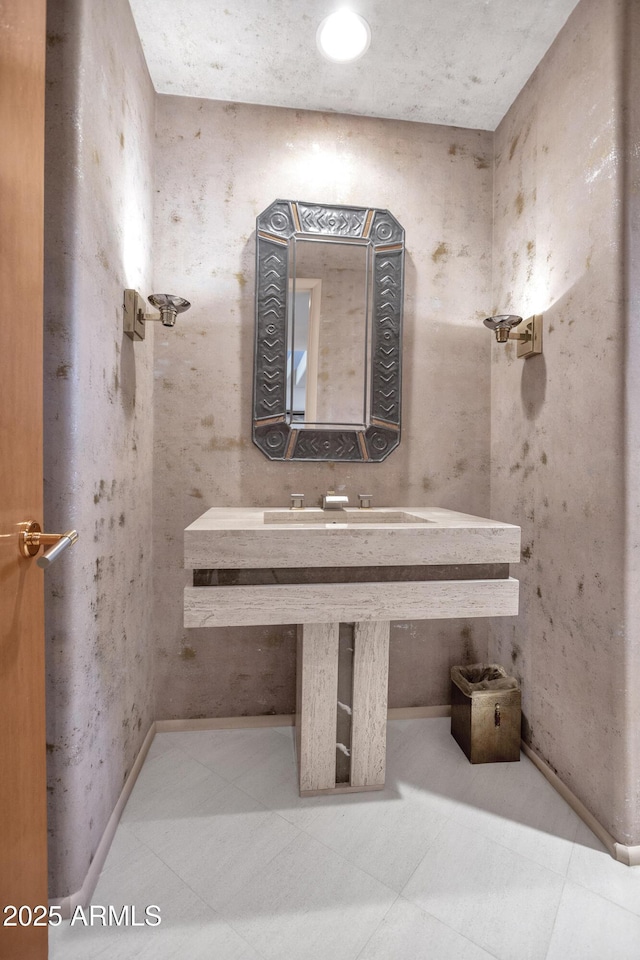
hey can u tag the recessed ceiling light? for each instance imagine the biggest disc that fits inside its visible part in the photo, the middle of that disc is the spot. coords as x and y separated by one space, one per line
343 36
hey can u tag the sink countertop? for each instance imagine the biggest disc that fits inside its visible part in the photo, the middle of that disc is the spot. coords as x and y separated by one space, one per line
237 537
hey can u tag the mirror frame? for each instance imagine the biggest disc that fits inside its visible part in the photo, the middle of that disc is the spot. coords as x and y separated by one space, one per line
276 226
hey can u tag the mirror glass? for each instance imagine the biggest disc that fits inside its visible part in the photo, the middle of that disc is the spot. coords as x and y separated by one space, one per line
327 371
328 326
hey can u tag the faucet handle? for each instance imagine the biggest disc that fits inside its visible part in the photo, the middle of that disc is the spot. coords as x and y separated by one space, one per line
297 501
365 500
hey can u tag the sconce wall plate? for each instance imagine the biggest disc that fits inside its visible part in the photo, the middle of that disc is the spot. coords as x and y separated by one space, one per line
134 306
530 339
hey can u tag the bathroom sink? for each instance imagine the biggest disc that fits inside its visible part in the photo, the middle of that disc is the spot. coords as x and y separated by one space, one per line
241 537
348 515
350 570
252 537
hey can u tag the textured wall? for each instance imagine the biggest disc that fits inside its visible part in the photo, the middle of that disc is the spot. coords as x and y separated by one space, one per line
630 793
98 421
561 437
217 166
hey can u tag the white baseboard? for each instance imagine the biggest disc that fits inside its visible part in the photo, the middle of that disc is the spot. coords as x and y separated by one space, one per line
629 855
226 723
619 851
285 720
418 713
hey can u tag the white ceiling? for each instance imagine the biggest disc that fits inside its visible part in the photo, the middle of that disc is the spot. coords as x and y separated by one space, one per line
457 62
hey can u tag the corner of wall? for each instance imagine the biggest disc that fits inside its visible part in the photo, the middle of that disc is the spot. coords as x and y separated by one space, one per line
98 410
564 453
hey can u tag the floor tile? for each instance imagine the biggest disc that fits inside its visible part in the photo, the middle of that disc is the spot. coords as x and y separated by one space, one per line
386 833
309 904
197 938
141 878
247 870
221 846
588 927
175 738
513 804
593 867
503 902
188 927
400 725
198 935
443 781
288 731
77 943
428 735
274 782
170 785
428 759
230 753
124 846
408 933
162 743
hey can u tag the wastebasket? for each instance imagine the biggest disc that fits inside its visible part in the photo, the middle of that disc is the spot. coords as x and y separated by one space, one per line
485 713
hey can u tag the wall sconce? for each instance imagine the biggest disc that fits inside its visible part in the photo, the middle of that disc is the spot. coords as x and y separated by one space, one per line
529 339
135 317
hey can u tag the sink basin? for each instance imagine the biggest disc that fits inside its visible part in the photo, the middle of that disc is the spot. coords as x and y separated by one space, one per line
254 538
348 515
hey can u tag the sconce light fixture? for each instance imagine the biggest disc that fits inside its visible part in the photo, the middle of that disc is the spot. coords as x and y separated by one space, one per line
529 339
135 317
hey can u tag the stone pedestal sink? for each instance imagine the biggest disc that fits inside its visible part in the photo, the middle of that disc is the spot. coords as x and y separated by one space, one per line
364 566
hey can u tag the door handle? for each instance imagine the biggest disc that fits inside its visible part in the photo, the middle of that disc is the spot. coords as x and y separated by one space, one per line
31 538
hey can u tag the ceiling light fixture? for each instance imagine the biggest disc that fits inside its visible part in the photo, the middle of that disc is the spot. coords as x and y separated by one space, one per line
343 36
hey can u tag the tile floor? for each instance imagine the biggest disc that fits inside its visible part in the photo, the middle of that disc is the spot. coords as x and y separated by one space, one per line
449 862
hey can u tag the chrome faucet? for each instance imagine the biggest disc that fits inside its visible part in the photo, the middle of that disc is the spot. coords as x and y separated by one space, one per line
333 501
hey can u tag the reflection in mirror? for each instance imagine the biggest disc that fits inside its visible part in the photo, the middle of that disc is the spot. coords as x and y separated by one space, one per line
329 333
328 349
302 350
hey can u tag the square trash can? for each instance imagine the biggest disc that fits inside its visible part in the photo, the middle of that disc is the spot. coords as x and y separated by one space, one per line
486 713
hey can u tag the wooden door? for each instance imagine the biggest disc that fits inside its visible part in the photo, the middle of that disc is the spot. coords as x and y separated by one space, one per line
23 831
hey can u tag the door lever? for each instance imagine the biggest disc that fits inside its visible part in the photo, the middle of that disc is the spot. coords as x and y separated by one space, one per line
31 538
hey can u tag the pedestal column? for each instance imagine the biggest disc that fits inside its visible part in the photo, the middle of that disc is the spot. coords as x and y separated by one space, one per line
317 707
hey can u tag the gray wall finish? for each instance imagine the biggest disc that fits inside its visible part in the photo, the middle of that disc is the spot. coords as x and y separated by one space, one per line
98 421
629 795
565 441
218 165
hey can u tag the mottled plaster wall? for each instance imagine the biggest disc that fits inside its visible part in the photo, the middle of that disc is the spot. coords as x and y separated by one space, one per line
559 432
217 166
630 794
98 421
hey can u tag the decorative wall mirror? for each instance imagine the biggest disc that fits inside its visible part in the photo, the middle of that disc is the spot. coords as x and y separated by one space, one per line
328 353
